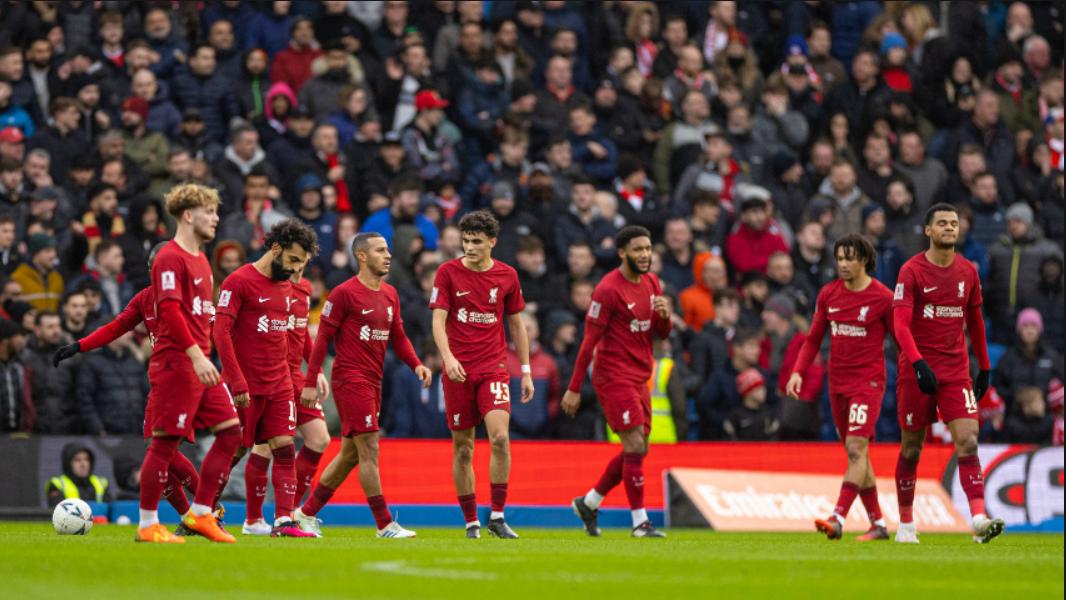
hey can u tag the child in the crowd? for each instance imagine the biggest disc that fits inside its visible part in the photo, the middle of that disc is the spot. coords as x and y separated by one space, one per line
752 421
1030 424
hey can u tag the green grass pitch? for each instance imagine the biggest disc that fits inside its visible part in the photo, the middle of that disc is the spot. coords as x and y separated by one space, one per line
544 564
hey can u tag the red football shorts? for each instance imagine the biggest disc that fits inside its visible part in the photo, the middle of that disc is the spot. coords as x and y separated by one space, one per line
625 404
358 405
855 414
266 417
149 420
467 403
304 414
178 403
954 400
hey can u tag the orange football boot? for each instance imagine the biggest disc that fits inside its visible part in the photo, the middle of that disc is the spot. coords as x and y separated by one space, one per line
157 534
208 527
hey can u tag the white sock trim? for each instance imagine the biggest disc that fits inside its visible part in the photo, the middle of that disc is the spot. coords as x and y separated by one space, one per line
200 510
148 518
593 499
879 523
639 517
495 515
473 524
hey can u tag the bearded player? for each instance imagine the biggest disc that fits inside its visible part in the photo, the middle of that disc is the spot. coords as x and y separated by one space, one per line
310 421
471 295
363 314
628 309
251 334
857 311
141 309
937 294
186 389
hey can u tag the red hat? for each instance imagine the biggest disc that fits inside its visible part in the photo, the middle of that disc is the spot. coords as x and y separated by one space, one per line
136 104
1054 396
11 135
736 35
429 99
749 381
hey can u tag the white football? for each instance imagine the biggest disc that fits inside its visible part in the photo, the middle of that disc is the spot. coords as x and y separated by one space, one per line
72 517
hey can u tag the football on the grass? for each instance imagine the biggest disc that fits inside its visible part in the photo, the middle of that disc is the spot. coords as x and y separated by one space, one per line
72 517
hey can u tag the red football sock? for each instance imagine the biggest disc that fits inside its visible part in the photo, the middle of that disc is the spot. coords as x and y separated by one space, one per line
611 477
174 492
155 471
255 484
469 506
869 501
222 488
306 466
633 478
214 472
284 479
380 508
848 492
973 483
906 478
182 468
320 496
499 496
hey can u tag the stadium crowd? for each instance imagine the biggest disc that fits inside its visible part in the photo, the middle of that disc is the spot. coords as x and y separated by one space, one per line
746 136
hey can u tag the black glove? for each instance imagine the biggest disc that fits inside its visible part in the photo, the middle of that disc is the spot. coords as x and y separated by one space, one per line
981 384
927 382
65 352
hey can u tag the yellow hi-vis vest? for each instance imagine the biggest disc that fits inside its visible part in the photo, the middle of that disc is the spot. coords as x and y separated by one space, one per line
662 418
69 490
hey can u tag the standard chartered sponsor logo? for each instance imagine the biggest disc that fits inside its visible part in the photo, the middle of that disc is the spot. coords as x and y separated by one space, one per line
465 316
636 326
943 312
266 324
367 334
844 330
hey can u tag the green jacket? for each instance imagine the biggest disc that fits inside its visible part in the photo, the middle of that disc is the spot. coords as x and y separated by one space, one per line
149 152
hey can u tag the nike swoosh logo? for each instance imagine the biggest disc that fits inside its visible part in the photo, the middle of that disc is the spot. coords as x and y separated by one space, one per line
461 293
197 281
367 312
630 306
262 300
502 402
149 318
833 310
855 428
927 290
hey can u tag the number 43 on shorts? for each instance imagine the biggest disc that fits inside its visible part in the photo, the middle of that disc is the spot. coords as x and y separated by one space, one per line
501 391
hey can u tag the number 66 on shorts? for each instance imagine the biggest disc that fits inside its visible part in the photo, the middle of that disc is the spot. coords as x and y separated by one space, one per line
856 416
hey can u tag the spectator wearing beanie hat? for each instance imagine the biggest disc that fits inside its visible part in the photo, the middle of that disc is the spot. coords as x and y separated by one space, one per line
1015 270
790 187
752 421
149 149
894 52
42 285
753 241
1030 362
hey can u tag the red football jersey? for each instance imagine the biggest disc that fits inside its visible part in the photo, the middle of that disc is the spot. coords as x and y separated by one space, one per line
477 304
178 275
857 323
623 310
940 299
260 306
365 320
299 307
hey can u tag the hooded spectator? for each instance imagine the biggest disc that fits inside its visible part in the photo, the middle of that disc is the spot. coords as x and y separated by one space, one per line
78 479
697 302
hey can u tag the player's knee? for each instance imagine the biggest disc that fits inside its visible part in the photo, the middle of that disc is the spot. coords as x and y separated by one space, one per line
911 452
966 445
856 450
464 453
317 442
500 441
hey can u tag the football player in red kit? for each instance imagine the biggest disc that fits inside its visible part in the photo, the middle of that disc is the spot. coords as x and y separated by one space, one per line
856 310
310 421
251 334
470 298
628 310
363 314
938 293
186 392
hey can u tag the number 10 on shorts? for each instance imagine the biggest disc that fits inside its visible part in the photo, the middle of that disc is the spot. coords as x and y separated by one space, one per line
501 391
857 415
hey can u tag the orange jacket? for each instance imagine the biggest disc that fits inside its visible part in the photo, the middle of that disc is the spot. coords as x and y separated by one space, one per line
697 302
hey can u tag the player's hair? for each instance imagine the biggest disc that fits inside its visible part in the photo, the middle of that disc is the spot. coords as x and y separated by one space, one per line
858 247
744 335
189 196
628 234
103 247
480 221
941 207
155 251
361 242
292 231
724 295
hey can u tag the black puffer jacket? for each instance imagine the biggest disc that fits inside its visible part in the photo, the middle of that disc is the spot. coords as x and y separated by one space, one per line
52 389
215 98
1015 371
112 393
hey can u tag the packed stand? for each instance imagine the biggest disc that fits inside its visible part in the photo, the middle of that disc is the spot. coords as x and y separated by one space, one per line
746 136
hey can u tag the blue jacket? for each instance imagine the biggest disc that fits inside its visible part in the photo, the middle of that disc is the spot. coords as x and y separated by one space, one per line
890 259
15 116
719 397
269 32
167 65
326 228
989 222
413 412
213 96
126 292
478 97
602 170
163 116
849 24
381 222
240 18
977 253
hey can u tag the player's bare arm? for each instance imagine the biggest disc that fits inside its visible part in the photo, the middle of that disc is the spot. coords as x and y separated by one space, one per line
521 346
452 368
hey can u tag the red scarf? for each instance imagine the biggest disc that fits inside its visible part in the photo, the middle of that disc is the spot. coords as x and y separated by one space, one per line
628 196
646 53
343 203
1014 90
695 83
560 95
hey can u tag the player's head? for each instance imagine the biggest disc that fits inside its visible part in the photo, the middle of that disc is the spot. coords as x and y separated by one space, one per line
479 230
154 252
291 244
195 208
854 254
372 252
634 247
942 226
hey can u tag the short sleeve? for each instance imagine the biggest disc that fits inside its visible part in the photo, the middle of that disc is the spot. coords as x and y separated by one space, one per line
601 306
904 294
168 273
442 290
514 303
336 307
976 296
230 296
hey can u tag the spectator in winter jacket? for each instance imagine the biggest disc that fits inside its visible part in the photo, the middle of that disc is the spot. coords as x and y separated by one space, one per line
697 302
638 202
167 47
929 175
1029 362
253 87
356 118
237 14
846 198
719 396
790 187
405 194
540 285
63 139
203 88
750 246
42 285
13 115
328 163
1029 423
682 141
115 291
509 165
16 403
415 411
776 124
426 146
890 257
535 415
876 169
687 77
580 221
294 145
112 390
293 64
240 157
148 149
52 389
269 29
1015 270
319 94
988 132
481 105
248 226
373 178
863 95
78 479
311 209
227 55
596 155
147 227
163 116
709 349
559 96
1018 104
